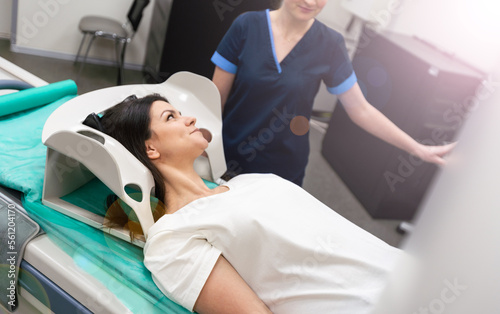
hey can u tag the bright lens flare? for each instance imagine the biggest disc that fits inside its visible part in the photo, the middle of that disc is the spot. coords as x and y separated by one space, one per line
482 16
472 31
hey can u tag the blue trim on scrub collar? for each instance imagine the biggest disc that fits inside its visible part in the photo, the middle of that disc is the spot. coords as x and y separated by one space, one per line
223 63
344 86
272 41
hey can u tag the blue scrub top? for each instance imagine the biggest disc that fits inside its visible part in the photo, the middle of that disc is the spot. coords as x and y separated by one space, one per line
265 118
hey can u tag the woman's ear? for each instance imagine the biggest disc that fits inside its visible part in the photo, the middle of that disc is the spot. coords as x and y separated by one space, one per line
151 151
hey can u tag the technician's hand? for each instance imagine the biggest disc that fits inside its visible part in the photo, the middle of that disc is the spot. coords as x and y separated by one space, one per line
435 154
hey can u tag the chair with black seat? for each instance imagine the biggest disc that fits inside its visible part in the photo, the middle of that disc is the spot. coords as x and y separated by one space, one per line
107 28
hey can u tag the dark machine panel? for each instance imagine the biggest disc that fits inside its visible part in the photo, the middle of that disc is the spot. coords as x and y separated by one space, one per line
425 92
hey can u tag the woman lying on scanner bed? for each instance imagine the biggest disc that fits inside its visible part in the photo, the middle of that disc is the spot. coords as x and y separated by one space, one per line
256 244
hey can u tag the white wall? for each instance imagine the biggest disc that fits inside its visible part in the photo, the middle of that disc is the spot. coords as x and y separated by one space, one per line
50 28
5 18
334 15
469 29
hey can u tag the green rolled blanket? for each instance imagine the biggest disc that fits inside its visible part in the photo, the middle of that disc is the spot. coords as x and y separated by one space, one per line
36 97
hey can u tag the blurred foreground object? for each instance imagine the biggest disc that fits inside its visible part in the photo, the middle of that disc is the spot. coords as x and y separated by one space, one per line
453 253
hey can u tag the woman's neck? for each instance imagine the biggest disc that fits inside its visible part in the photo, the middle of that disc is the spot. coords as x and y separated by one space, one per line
182 186
290 27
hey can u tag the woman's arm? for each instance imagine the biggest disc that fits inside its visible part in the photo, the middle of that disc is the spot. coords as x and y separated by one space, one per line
226 292
373 121
224 81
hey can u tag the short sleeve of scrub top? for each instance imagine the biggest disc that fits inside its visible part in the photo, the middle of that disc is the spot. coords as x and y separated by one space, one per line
341 77
233 41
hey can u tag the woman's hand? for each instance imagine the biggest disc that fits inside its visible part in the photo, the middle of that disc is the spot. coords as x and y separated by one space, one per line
434 154
373 121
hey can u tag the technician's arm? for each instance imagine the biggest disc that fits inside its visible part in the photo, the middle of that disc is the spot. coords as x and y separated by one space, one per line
224 81
226 292
373 121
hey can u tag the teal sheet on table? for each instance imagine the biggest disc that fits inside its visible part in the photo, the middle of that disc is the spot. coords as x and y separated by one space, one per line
116 263
21 149
92 197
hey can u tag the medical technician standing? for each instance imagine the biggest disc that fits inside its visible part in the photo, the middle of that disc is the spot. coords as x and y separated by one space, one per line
269 67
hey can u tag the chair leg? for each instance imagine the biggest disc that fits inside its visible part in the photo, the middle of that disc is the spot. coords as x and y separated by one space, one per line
121 62
80 48
85 57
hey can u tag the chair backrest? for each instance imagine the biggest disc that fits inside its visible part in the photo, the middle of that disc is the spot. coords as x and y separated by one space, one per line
135 13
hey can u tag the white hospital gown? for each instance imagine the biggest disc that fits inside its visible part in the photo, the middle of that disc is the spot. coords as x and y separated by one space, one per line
297 254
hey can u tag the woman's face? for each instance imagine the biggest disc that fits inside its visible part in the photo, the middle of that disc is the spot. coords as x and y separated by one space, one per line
304 9
173 135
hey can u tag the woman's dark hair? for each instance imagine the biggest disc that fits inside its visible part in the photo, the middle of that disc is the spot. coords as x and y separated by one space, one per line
129 123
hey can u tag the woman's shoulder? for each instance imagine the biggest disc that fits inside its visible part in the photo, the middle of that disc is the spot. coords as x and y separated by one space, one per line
327 33
250 17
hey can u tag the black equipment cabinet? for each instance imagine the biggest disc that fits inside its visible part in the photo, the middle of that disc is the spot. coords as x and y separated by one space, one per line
156 40
195 28
425 92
